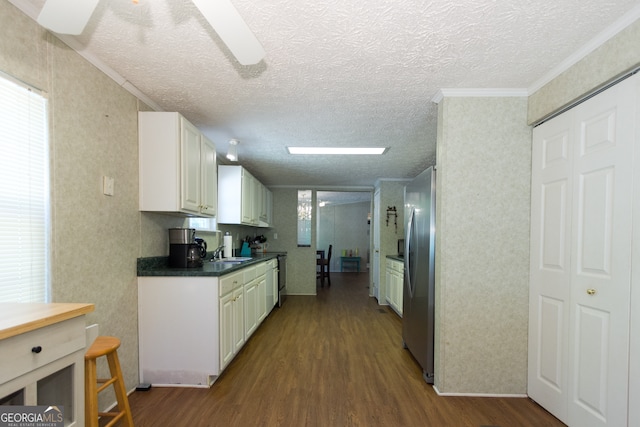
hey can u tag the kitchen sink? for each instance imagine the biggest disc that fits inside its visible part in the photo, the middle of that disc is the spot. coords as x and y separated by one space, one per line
232 260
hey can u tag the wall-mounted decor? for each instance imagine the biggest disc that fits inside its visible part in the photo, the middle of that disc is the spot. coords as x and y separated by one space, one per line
391 212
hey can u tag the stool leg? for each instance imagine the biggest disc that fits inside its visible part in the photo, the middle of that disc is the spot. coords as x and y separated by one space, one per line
121 392
91 394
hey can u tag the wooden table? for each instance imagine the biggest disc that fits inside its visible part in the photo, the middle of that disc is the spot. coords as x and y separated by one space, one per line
18 318
350 259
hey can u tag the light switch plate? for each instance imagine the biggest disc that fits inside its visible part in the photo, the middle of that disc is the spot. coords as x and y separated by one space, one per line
108 184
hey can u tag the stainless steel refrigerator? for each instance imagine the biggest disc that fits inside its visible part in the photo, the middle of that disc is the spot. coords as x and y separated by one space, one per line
419 274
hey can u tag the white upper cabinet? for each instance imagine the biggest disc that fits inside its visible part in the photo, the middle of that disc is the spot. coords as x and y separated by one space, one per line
240 197
177 166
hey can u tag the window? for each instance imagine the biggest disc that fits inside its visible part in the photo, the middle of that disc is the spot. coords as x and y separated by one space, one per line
24 194
202 224
305 209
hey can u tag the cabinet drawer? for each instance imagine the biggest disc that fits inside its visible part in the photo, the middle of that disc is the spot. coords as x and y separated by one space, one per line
55 341
230 282
395 266
261 269
249 274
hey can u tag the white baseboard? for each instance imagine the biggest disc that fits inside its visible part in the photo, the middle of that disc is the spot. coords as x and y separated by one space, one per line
439 393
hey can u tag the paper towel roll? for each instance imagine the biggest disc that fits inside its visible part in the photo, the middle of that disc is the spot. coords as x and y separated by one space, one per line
228 246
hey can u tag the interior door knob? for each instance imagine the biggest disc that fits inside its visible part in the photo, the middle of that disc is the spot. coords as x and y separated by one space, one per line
591 291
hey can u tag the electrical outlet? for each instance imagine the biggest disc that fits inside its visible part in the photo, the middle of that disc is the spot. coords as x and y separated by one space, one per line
275 236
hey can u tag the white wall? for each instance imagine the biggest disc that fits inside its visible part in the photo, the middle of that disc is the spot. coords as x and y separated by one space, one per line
345 227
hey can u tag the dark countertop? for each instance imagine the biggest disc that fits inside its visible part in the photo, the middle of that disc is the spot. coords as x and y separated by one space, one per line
396 257
157 266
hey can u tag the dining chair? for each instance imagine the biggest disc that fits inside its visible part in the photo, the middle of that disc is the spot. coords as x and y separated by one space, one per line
325 266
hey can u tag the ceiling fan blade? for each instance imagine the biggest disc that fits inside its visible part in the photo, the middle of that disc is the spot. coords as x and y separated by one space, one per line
234 32
66 16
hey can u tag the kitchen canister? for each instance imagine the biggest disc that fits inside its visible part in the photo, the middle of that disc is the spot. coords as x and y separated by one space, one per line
228 245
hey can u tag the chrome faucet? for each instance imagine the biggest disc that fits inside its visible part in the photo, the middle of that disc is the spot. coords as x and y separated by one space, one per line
217 253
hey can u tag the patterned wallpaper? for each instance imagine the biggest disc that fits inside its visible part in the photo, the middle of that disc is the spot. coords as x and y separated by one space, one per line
95 238
301 261
482 245
614 57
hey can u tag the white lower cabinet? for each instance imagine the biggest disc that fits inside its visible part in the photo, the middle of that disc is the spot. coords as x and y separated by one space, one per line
395 282
191 328
261 279
250 312
231 317
255 303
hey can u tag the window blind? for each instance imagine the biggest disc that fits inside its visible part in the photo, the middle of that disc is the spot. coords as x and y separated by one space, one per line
24 195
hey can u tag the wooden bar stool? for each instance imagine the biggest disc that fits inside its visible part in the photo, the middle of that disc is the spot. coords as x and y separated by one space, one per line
104 346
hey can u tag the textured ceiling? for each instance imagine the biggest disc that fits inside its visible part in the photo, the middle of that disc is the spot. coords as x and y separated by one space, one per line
336 72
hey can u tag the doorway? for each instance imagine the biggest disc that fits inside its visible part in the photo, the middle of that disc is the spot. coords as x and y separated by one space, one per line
344 221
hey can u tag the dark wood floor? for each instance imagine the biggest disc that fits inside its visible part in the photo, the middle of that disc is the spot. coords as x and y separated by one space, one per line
331 360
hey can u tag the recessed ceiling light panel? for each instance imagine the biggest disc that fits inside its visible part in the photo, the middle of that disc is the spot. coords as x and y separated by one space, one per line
337 150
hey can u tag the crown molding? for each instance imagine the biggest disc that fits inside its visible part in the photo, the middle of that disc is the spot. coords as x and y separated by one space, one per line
32 12
478 93
604 36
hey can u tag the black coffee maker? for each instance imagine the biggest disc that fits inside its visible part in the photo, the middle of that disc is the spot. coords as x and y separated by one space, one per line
185 250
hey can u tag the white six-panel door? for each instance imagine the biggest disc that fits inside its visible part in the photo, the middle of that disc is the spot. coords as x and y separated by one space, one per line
550 292
582 187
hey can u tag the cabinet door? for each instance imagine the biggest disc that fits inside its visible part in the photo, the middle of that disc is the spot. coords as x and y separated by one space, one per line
401 289
247 200
190 167
269 206
250 308
256 200
389 283
262 299
394 289
398 286
238 319
226 329
275 285
263 203
209 177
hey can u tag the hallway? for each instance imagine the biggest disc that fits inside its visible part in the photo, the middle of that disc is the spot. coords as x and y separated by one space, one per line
331 360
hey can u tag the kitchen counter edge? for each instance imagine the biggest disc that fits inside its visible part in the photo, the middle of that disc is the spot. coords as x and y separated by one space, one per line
18 318
158 266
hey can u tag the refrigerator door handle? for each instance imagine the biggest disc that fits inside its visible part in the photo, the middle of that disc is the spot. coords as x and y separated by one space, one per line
407 252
